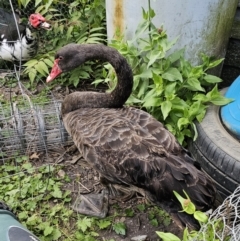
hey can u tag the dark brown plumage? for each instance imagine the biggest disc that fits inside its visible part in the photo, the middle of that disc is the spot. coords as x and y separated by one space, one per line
127 145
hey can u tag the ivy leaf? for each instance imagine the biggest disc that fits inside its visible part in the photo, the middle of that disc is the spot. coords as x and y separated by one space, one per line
119 228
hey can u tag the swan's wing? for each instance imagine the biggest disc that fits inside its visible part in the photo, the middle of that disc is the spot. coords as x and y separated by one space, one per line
127 148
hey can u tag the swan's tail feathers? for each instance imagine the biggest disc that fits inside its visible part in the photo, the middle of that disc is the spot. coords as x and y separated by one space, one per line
185 220
181 218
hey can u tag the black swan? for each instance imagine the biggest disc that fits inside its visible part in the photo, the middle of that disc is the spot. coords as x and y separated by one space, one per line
13 48
127 146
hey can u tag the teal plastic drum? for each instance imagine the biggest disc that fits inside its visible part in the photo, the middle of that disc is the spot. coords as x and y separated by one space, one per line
230 113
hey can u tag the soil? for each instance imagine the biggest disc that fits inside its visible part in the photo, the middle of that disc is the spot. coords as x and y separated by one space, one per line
84 179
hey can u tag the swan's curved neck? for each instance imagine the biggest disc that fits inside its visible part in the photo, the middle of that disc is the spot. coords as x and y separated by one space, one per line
114 99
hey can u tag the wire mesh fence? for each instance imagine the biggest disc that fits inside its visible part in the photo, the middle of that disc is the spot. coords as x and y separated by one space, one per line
224 222
28 128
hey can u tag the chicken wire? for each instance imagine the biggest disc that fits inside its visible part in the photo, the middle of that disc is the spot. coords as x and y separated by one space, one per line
27 128
224 222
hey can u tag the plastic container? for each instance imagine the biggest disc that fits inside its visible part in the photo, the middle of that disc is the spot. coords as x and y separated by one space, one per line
230 113
12 230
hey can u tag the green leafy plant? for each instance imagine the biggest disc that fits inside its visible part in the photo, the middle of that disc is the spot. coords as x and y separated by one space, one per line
165 83
119 228
201 217
72 21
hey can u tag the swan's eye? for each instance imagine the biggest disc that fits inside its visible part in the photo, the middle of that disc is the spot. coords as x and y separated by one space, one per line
60 57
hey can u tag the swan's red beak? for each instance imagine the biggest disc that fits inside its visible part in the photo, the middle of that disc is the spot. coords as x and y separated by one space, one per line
56 70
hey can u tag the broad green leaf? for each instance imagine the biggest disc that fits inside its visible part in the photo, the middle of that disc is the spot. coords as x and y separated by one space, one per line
185 234
84 223
56 234
102 224
212 79
200 216
176 55
143 88
179 104
182 122
31 63
194 84
147 73
221 100
215 63
157 79
57 193
48 62
216 97
32 74
167 236
196 72
170 89
133 100
201 97
42 68
152 101
172 74
151 13
195 109
154 55
37 2
48 230
166 108
142 27
186 204
119 228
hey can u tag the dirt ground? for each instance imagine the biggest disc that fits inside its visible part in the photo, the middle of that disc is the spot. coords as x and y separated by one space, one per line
85 180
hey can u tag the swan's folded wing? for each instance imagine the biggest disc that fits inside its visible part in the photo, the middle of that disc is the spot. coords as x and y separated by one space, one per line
124 151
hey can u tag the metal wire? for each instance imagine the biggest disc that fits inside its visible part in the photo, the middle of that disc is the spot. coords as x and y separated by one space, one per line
29 127
224 222
26 126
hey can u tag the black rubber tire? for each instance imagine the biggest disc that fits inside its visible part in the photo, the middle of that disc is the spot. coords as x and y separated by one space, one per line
217 152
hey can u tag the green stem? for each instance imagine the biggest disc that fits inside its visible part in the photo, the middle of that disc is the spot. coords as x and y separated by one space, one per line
149 19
